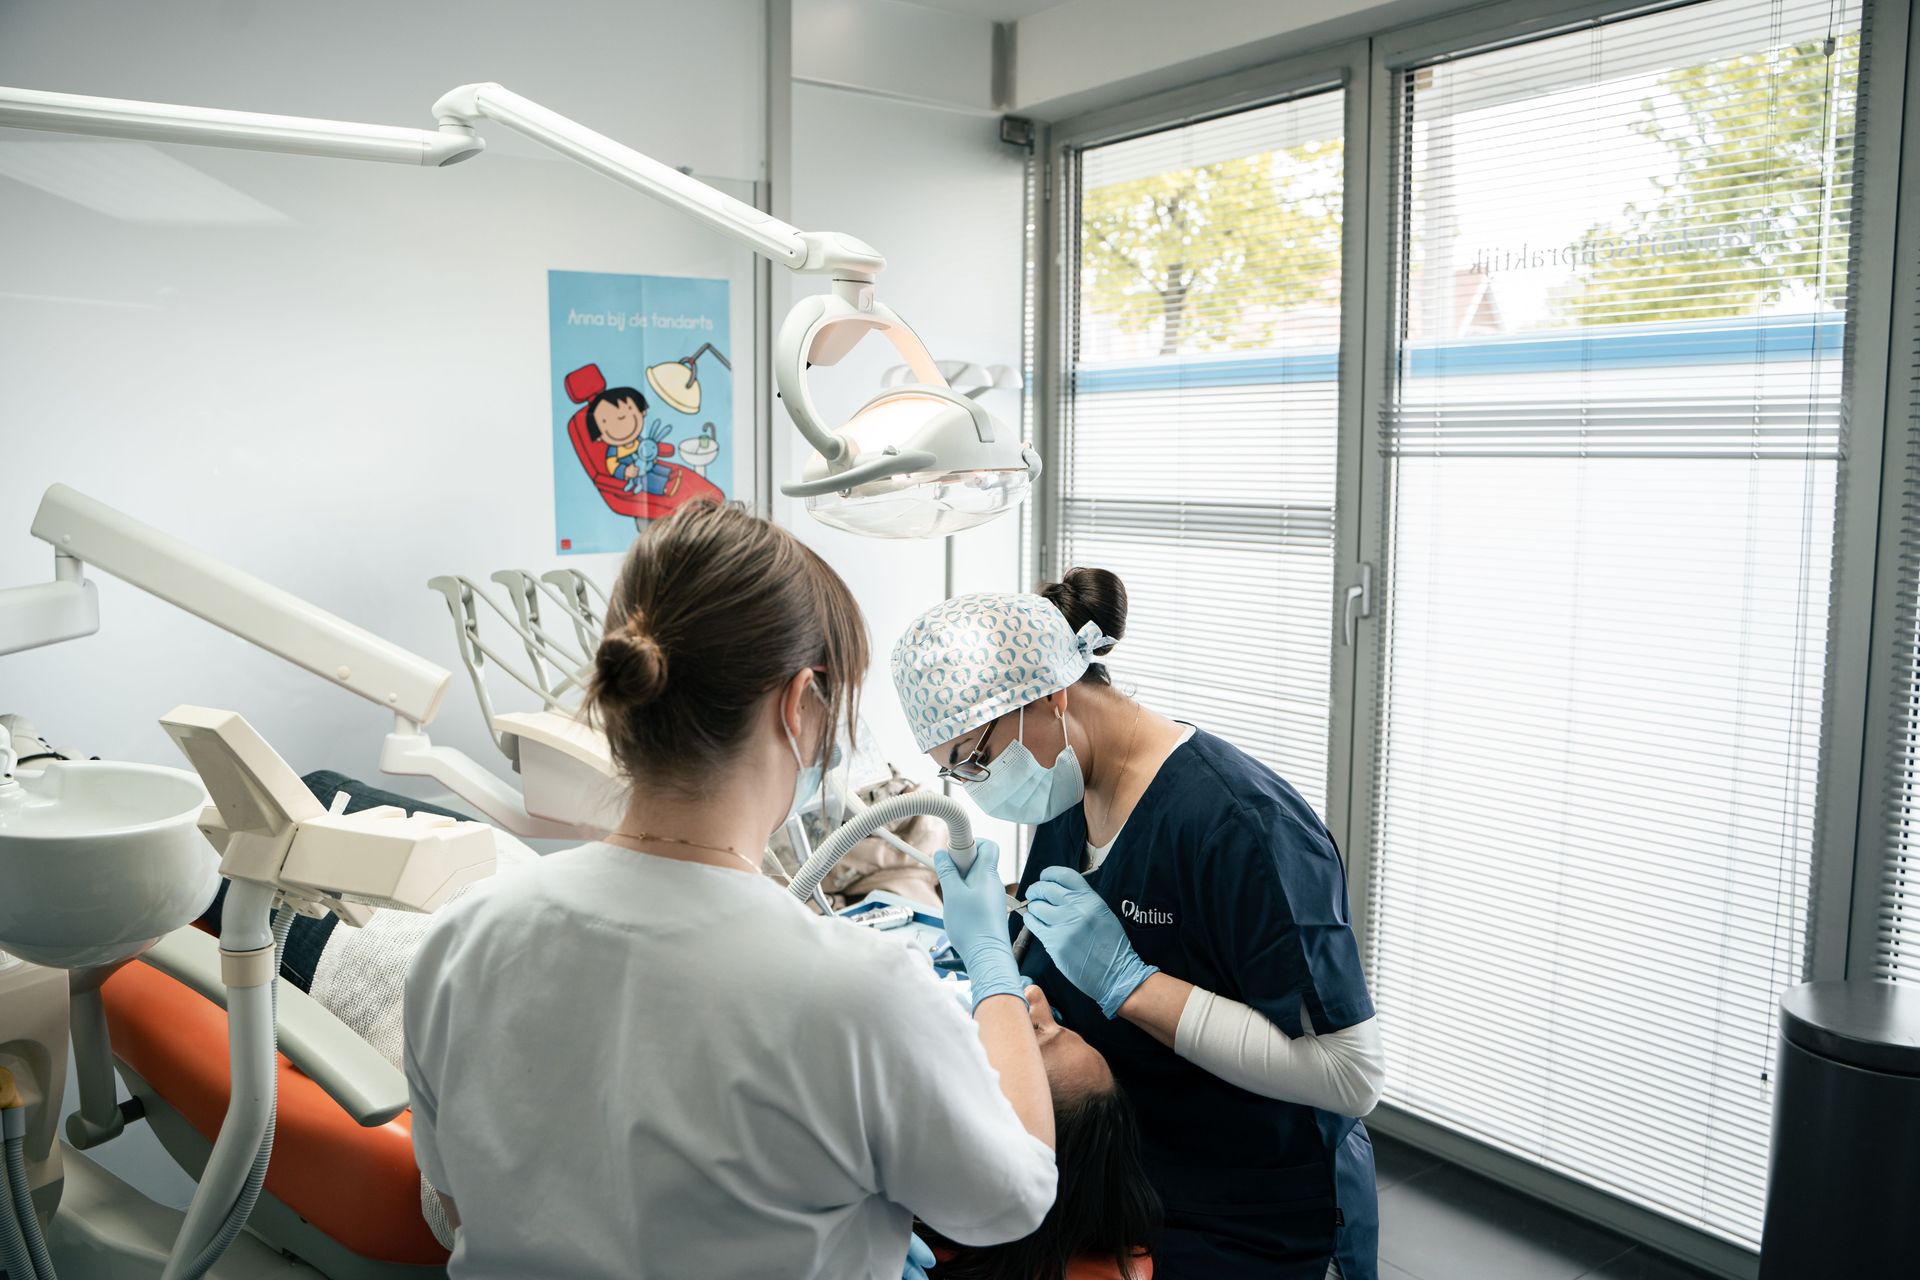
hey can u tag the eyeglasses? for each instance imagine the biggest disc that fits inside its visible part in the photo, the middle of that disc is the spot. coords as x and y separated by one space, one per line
973 769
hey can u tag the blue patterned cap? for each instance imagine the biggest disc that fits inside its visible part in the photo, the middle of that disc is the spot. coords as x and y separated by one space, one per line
974 658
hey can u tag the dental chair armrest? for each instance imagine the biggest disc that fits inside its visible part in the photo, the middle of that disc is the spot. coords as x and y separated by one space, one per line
319 1045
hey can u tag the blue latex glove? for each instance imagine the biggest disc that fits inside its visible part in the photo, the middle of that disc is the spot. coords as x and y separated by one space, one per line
975 908
919 1258
1086 940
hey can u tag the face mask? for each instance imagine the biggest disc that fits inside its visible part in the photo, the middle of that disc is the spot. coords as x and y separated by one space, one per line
807 782
1019 790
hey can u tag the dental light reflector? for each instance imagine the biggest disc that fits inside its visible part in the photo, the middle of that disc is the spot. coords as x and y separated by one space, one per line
955 479
916 461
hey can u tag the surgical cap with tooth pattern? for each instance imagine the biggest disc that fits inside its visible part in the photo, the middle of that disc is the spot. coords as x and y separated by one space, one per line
973 658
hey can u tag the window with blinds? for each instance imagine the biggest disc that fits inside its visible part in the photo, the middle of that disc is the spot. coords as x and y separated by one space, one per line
1200 420
1612 443
1898 945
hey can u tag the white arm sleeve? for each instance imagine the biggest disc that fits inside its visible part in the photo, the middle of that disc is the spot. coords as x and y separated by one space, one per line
1340 1071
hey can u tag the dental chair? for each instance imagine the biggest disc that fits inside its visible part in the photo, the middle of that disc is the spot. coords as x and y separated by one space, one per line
342 1192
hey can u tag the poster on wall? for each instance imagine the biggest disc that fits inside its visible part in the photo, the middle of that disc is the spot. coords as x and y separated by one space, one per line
642 402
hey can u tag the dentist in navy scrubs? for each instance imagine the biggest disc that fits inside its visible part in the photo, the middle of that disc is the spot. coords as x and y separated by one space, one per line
1191 919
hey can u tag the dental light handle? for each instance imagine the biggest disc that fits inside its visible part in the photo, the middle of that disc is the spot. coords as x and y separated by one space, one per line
915 804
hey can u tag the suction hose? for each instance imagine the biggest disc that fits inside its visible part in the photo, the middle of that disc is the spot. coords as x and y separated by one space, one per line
884 814
235 1171
257 1173
19 1228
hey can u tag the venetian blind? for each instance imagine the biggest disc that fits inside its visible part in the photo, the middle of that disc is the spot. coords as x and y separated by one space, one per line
1898 945
1200 422
1612 441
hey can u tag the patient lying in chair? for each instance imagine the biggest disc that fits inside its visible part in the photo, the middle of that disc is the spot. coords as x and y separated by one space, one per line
1105 1214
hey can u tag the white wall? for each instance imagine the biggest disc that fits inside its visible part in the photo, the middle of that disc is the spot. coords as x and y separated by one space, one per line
940 195
351 395
895 49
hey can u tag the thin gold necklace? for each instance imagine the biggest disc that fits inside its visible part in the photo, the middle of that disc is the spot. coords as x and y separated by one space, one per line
1133 735
639 837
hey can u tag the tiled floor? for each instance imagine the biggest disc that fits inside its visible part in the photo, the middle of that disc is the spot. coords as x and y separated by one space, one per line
1439 1222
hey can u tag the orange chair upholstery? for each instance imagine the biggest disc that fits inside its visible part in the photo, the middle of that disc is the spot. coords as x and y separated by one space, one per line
357 1185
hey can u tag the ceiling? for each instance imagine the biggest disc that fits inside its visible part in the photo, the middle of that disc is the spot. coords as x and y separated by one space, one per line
992 10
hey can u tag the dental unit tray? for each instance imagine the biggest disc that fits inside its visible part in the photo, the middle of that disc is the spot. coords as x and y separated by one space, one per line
270 829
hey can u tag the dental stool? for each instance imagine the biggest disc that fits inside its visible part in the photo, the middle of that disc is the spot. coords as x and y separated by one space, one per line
342 1192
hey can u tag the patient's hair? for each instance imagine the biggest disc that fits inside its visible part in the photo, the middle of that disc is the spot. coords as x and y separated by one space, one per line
613 395
1105 1210
1091 595
713 609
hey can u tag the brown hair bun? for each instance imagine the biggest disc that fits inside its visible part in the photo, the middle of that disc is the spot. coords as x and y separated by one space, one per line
630 667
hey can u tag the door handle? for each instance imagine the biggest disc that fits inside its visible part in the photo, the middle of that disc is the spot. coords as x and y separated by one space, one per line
1359 603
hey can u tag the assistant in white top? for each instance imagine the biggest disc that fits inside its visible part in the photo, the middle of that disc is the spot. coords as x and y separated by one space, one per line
719 1083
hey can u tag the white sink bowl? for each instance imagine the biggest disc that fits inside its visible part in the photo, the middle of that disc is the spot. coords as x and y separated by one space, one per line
98 859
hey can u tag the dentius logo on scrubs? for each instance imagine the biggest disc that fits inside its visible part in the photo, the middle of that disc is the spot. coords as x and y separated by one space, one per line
1144 915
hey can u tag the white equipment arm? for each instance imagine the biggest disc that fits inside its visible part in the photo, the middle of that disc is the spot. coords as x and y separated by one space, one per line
278 621
84 531
811 252
821 253
246 130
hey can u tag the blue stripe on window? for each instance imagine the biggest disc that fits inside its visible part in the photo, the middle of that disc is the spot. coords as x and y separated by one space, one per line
1660 346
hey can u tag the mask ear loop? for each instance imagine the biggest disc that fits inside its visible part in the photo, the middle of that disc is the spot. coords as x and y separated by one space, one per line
833 809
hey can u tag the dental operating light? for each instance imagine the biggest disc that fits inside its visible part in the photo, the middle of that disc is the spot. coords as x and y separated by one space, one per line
914 461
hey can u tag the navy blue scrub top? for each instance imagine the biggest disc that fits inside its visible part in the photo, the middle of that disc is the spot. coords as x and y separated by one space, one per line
1225 877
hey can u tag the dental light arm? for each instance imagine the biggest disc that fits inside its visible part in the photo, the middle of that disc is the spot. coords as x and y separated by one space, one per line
246 130
810 252
913 462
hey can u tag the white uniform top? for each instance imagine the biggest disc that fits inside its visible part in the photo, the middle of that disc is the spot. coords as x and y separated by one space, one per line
624 1065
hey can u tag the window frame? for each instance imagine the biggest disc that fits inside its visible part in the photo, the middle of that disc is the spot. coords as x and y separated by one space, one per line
1897 247
1342 68
1843 901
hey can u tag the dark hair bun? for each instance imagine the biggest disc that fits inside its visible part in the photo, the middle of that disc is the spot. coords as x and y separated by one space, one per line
1091 595
630 667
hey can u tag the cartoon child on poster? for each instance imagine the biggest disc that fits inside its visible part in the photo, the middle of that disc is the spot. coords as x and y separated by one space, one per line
614 418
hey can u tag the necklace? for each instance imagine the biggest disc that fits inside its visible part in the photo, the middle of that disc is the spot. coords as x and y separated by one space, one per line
639 837
1120 776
